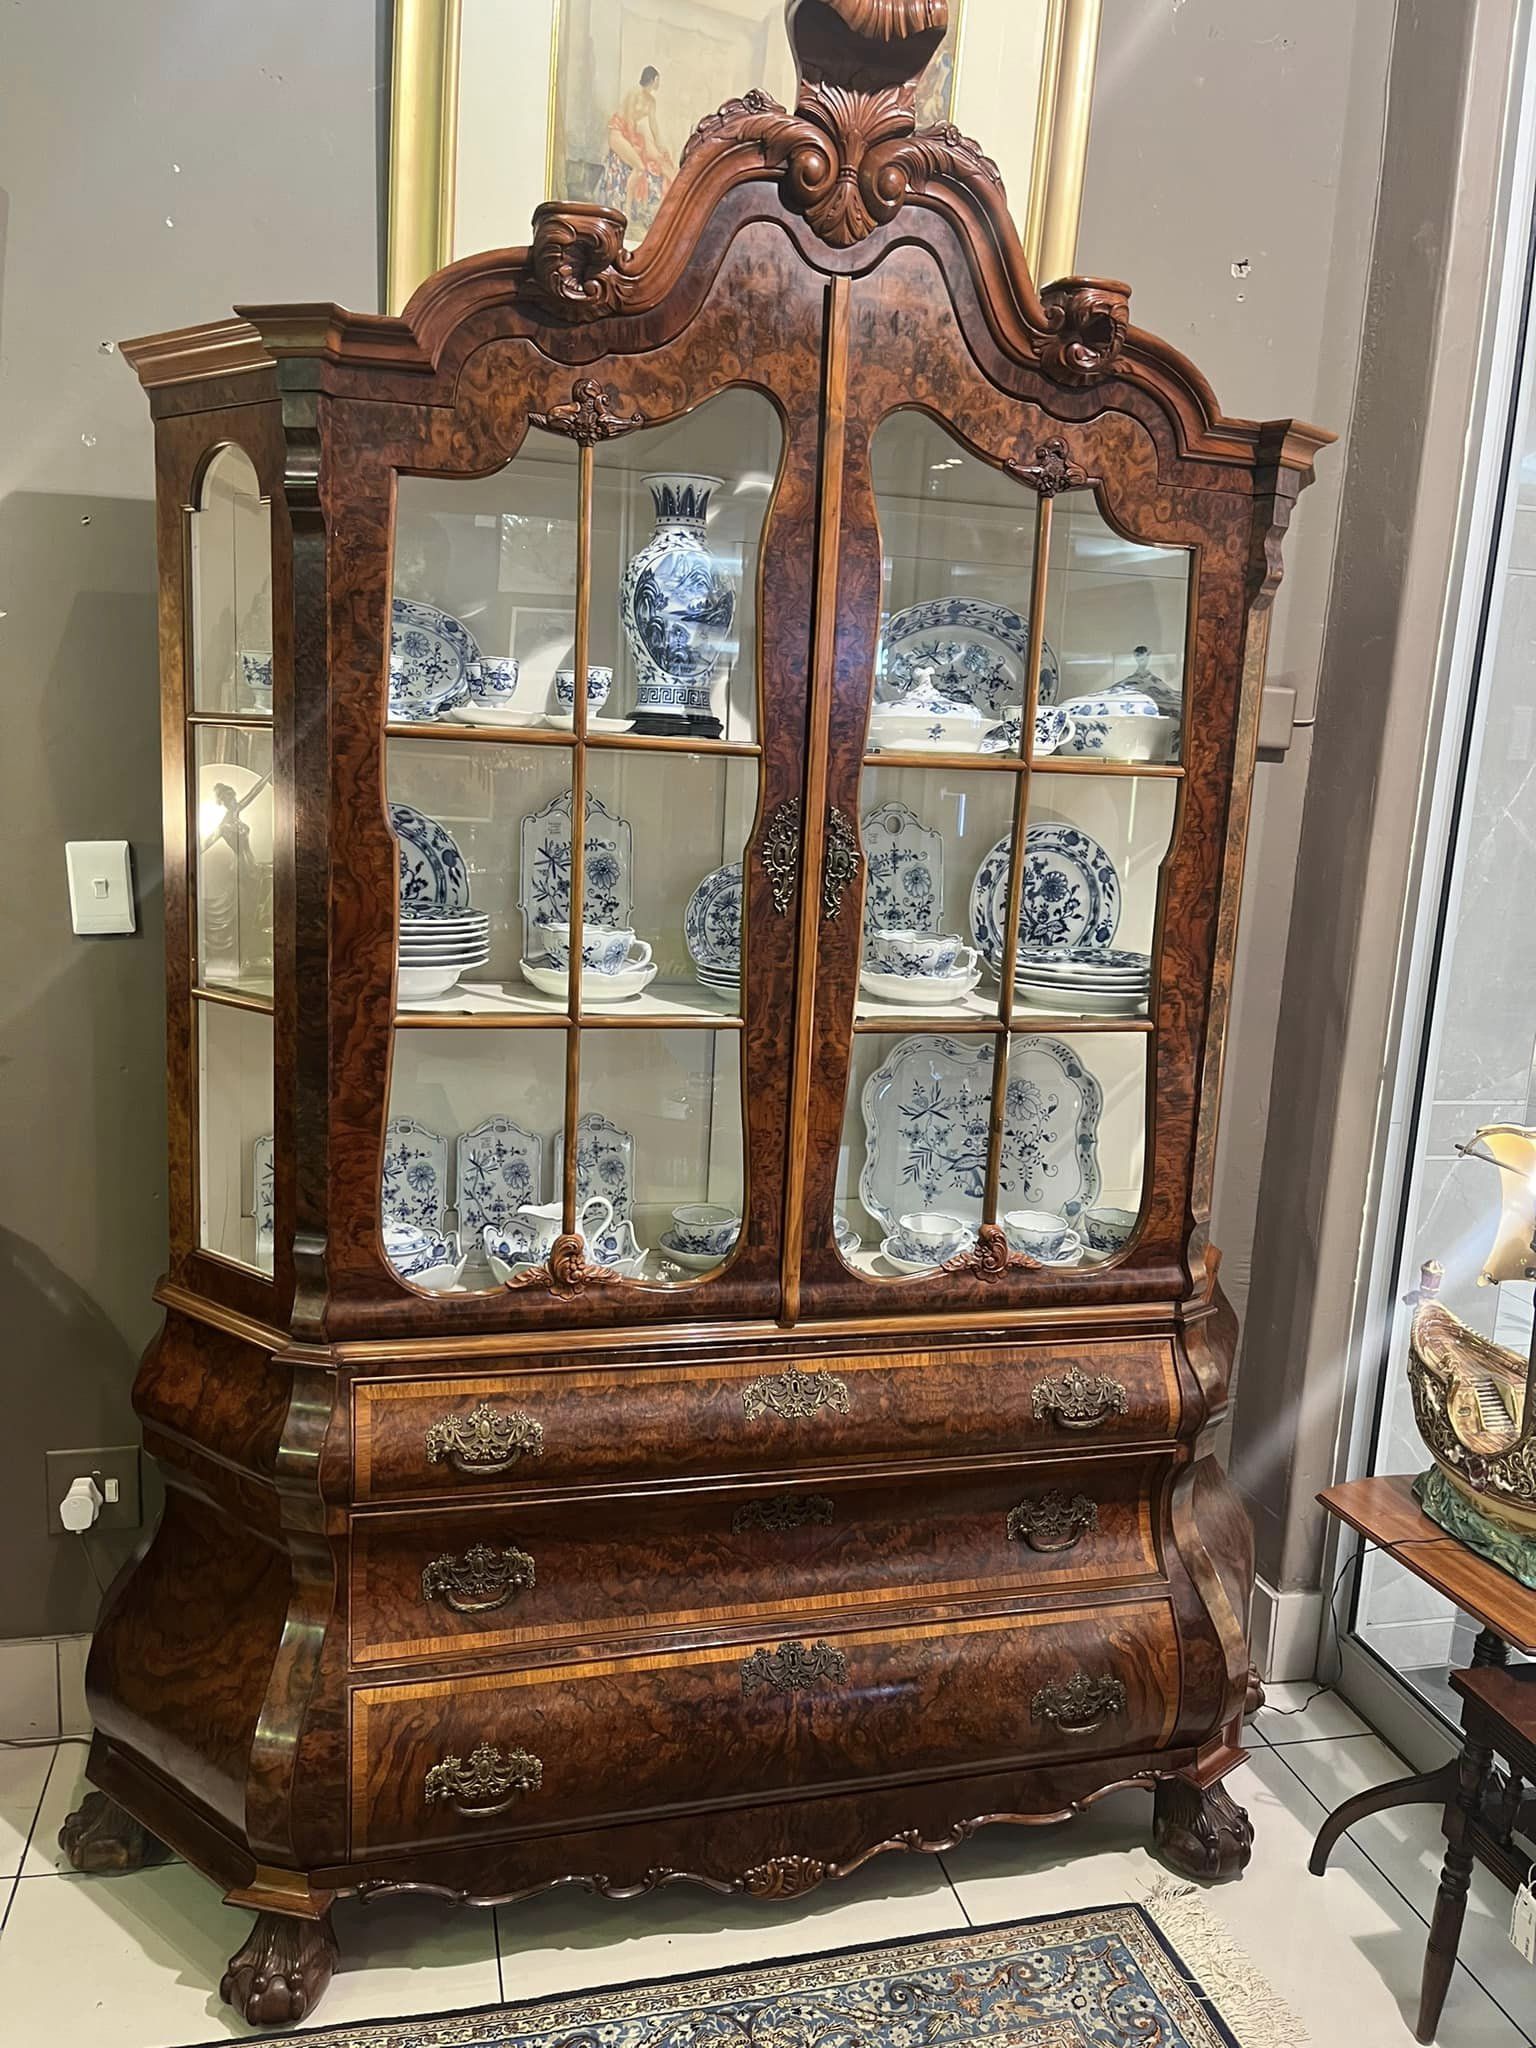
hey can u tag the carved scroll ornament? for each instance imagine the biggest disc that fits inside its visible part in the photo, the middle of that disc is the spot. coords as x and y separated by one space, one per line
793 1667
488 1784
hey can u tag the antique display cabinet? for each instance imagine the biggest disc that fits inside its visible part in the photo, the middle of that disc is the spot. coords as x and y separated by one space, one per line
691 1345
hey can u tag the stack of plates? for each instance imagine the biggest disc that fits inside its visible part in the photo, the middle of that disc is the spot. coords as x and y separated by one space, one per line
437 944
727 980
1106 982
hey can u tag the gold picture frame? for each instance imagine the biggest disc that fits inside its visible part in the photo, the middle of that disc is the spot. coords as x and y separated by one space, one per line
427 147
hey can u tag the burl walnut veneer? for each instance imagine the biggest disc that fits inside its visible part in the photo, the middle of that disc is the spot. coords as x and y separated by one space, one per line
489 1592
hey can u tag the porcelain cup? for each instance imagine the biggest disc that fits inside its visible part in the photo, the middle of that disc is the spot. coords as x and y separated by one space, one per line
704 1227
930 955
1108 1229
1041 1232
256 669
927 1235
599 683
602 951
544 1220
493 679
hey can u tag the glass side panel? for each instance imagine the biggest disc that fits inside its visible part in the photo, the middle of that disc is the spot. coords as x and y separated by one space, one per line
233 825
661 1144
474 1127
1115 618
958 542
234 1131
231 555
677 524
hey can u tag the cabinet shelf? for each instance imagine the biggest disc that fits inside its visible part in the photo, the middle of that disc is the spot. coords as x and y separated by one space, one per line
512 1006
1011 764
256 998
551 736
892 1019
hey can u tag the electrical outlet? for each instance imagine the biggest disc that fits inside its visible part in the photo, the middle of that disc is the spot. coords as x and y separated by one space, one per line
116 1472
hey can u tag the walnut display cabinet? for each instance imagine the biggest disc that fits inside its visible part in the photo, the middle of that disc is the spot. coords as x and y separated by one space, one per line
827 1470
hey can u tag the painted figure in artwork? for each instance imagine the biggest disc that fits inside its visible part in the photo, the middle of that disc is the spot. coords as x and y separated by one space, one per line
639 167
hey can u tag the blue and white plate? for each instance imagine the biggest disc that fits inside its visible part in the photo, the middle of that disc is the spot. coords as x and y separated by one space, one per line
926 1117
969 651
544 880
712 921
1107 964
1071 894
605 1165
432 870
904 871
432 656
415 1187
499 1168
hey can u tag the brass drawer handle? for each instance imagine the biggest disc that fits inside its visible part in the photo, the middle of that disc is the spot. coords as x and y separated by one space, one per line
479 1580
842 862
794 1394
1078 1704
793 1668
780 1511
488 1784
1076 1401
1052 1522
780 853
484 1441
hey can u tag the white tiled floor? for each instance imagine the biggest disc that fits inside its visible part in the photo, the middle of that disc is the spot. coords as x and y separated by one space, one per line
134 1962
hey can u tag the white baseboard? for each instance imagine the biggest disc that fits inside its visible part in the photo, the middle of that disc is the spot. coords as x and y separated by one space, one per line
1283 1630
42 1688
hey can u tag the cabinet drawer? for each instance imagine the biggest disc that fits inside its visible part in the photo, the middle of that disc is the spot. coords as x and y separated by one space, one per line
479 1578
595 1422
462 1759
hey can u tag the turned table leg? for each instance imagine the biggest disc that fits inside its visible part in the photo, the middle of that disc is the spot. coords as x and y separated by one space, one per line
278 1976
1200 1831
100 1835
1462 1813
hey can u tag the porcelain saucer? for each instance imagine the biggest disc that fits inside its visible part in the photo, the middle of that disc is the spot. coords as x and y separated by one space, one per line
495 714
922 991
596 989
696 1262
911 1265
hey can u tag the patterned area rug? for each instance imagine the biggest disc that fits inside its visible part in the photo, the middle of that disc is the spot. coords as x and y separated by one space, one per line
1157 1975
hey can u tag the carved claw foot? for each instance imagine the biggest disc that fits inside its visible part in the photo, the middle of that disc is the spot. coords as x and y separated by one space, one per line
1199 1833
280 1974
99 1835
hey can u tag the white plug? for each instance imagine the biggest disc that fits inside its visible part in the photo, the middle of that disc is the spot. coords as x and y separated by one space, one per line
81 1505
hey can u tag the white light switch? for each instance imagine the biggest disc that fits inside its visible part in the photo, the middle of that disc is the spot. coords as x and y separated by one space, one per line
100 886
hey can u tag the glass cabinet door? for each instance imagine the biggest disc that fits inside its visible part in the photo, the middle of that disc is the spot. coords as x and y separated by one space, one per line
576 638
1016 802
230 832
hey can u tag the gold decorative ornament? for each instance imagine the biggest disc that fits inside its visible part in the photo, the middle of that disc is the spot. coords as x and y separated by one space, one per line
485 1440
1077 1400
780 853
1079 1704
842 862
488 1784
1050 1521
793 1667
793 1394
781 1511
480 1580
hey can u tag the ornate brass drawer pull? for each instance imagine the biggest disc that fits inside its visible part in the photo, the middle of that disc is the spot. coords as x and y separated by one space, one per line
1076 1401
479 1580
1052 1522
841 865
488 1784
1078 1704
484 1441
780 853
781 1511
794 1394
793 1668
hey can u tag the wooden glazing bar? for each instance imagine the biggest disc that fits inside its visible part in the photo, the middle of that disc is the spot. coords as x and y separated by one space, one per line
233 999
834 391
248 721
578 893
996 1119
1082 764
993 764
485 735
527 1020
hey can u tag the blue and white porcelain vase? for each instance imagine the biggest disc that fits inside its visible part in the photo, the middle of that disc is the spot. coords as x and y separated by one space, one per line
678 603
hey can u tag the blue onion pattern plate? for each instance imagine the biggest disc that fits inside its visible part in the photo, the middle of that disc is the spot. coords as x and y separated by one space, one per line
712 921
499 1169
969 651
415 1190
605 1165
544 884
926 1116
432 657
1071 894
432 870
903 869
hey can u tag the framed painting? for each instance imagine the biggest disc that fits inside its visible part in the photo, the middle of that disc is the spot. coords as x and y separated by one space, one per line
500 104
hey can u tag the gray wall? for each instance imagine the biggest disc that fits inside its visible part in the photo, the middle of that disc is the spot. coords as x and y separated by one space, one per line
158 162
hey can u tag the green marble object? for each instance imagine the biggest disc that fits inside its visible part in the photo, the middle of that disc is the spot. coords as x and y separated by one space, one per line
1512 1550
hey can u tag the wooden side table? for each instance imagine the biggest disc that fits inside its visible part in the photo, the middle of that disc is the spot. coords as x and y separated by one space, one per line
1498 1718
